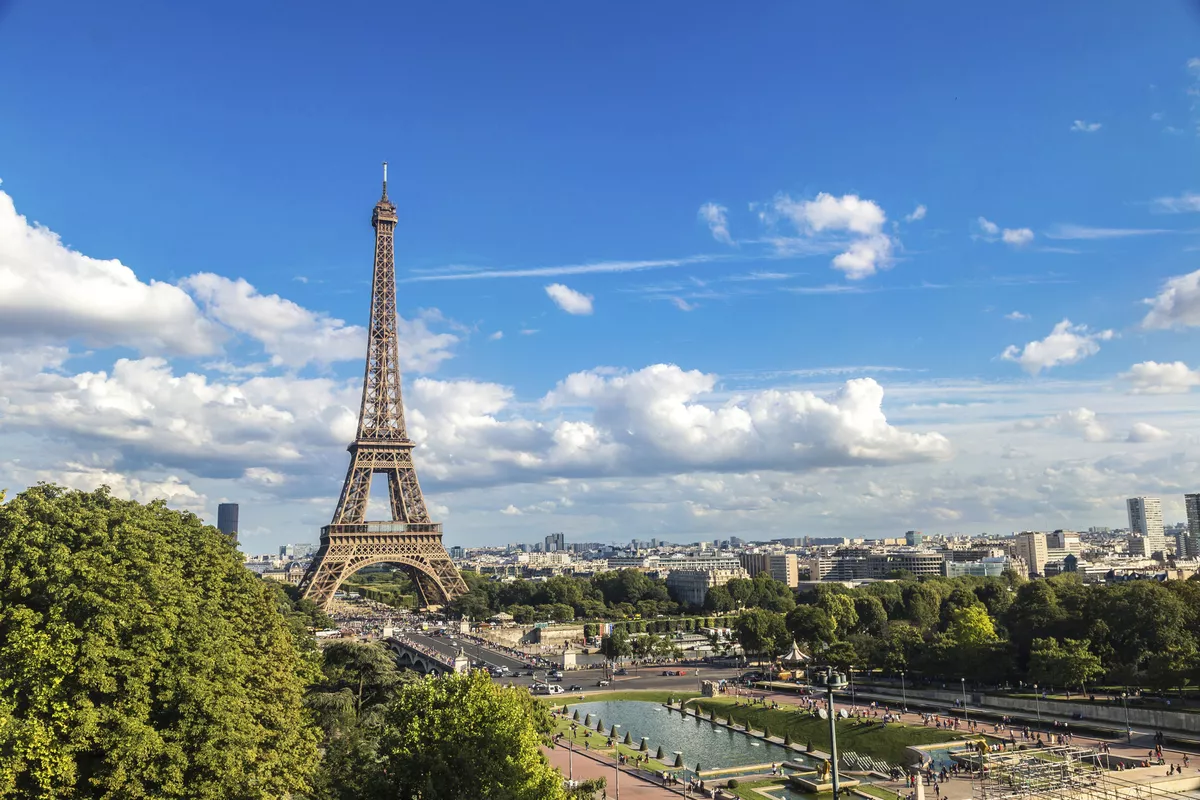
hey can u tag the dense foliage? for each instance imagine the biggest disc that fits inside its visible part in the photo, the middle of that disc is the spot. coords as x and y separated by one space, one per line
139 658
1059 631
621 594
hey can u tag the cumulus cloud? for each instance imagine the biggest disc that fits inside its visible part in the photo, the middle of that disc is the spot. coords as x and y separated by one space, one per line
1066 344
855 223
1177 305
1151 377
918 213
1080 126
569 300
50 293
1179 204
1017 236
497 336
1075 422
1145 432
991 232
1016 316
715 216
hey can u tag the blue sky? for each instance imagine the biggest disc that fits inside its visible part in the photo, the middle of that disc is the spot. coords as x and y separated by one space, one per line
188 139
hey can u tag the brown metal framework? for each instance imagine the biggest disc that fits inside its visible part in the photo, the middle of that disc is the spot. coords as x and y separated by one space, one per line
382 446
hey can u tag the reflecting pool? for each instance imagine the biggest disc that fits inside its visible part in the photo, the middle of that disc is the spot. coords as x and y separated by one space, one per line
701 742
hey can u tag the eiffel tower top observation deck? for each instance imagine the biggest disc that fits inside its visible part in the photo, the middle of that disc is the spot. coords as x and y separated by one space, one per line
381 446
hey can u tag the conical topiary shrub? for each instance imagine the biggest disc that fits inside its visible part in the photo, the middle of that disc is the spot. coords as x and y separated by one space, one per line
587 720
679 760
660 755
712 714
628 738
612 733
766 731
808 747
599 725
645 744
787 738
575 716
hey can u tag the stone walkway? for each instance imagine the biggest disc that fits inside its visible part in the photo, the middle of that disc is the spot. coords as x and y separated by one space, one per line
585 766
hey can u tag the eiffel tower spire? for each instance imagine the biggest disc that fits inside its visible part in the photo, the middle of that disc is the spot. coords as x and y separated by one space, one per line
382 446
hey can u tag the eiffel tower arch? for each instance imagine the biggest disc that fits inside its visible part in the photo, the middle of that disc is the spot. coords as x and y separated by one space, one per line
410 539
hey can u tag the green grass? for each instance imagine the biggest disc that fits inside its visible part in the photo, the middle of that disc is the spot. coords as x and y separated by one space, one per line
876 791
600 743
745 789
869 739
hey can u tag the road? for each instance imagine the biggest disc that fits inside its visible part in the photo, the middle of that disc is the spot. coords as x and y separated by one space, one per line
450 645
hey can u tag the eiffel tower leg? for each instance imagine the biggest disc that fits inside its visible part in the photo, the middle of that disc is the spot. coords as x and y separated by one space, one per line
332 564
352 505
404 491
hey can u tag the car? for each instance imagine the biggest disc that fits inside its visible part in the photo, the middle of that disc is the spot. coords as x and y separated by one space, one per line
622 671
554 690
556 678
529 673
603 682
574 687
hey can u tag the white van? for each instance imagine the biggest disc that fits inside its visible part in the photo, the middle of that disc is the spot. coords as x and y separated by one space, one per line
554 688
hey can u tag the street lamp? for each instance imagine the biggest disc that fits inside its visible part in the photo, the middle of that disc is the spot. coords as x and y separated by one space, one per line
903 693
966 714
1128 729
834 680
1037 703
853 702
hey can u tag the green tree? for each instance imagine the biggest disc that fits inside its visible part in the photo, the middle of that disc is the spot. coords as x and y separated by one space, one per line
718 599
140 658
811 626
840 608
872 618
1068 664
762 632
616 645
462 737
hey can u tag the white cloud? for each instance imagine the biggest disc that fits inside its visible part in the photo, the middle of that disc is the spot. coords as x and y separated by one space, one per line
992 232
1075 422
264 477
1016 316
1181 204
1145 432
569 300
1080 126
1017 236
53 294
918 213
497 336
1066 344
511 510
86 477
683 305
469 273
1066 231
1151 377
868 248
715 216
1177 305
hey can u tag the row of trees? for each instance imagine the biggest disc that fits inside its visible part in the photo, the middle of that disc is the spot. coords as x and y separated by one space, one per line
140 658
1058 631
621 594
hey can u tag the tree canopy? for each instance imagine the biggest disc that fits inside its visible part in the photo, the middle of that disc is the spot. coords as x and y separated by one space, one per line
140 658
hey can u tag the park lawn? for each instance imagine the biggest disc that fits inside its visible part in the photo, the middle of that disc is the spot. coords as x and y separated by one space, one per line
872 739
745 790
876 791
600 742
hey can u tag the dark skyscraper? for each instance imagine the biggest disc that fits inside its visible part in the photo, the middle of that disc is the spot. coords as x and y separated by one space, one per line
227 520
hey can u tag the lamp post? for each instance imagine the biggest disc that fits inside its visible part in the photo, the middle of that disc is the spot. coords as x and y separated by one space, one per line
834 680
966 714
853 702
1037 703
903 693
570 760
1128 729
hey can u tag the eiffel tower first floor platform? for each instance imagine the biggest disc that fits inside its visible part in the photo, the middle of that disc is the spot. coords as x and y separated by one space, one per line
415 547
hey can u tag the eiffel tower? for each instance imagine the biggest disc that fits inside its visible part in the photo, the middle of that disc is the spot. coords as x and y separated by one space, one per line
410 540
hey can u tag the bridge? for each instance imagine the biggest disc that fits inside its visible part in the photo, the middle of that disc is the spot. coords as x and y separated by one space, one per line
424 659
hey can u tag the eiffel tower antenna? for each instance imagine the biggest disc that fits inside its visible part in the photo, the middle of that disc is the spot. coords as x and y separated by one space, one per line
409 540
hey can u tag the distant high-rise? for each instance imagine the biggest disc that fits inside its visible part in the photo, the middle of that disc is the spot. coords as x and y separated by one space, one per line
1146 520
913 538
556 543
227 520
1192 503
457 552
1030 546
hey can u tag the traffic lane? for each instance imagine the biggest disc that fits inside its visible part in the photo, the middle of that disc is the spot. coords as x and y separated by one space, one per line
646 679
451 647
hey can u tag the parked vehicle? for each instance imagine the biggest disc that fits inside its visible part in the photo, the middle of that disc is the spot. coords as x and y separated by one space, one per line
574 687
622 671
603 682
554 690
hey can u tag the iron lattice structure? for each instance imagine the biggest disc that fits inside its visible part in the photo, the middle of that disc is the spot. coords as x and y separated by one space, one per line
1062 772
382 446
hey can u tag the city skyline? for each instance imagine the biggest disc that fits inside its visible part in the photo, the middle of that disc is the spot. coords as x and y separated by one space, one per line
800 306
